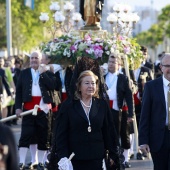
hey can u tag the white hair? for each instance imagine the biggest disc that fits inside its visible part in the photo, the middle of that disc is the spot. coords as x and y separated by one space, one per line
37 52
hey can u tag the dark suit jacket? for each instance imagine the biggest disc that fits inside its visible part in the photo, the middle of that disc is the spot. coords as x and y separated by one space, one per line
139 81
149 65
47 83
4 82
124 93
72 134
7 138
153 115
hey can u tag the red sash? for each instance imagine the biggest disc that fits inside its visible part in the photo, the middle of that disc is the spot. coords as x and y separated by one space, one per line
30 105
136 99
124 108
55 109
111 103
64 96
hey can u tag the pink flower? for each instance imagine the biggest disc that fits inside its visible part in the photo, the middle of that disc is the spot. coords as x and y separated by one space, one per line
87 37
127 50
73 48
98 51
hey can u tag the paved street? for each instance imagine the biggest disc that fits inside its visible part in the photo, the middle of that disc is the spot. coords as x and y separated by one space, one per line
136 164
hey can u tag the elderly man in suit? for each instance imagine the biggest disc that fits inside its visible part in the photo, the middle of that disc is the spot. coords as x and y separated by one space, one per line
154 127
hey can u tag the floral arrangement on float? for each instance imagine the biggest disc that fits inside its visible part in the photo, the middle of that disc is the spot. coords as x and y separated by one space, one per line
67 48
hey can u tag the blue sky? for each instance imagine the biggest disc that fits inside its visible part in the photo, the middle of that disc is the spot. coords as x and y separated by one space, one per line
157 4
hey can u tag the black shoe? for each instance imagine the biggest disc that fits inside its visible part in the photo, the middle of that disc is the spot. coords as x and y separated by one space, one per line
31 166
46 164
21 166
131 156
144 155
140 156
41 167
127 165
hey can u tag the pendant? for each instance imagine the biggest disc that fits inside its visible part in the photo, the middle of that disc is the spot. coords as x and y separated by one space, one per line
89 129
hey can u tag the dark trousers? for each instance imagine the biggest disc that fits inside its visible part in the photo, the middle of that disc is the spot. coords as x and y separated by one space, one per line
34 126
161 159
87 164
122 127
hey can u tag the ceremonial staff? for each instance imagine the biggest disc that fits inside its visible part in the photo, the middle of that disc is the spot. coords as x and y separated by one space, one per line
33 111
126 66
1 95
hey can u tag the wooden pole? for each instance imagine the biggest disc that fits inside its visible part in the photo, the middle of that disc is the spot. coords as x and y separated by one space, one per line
33 111
126 66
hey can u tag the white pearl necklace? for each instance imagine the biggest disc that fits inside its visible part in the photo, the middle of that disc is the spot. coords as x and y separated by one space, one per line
85 104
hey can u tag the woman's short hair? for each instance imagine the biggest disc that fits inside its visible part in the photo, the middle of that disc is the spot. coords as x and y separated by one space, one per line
79 80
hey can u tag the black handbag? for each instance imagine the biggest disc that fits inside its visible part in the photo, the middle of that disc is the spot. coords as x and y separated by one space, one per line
107 160
117 162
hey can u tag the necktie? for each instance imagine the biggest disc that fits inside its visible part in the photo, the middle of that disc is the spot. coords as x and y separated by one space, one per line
169 106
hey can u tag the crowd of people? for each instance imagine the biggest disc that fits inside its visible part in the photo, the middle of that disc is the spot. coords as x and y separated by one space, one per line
87 111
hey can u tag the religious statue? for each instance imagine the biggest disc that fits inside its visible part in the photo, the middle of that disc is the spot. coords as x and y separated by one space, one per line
91 11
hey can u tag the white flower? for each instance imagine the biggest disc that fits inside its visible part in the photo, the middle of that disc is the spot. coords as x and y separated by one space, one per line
48 53
90 51
76 16
44 17
108 52
65 52
68 53
68 6
117 7
59 17
112 18
54 6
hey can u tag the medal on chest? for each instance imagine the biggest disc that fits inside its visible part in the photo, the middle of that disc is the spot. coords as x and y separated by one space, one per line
89 129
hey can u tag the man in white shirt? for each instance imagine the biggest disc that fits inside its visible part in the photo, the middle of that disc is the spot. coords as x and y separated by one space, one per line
120 91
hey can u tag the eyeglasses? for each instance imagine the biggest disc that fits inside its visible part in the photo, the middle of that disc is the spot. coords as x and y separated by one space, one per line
166 65
36 58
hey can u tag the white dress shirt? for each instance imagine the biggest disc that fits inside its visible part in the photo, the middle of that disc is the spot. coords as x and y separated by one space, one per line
111 82
136 73
166 88
37 92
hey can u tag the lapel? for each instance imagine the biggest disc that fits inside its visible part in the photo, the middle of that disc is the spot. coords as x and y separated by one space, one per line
79 109
119 80
94 109
160 90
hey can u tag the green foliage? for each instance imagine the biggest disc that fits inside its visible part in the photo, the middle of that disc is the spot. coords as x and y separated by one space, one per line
27 30
155 35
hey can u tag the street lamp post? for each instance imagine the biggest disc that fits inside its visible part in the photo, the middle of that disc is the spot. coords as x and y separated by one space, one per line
8 26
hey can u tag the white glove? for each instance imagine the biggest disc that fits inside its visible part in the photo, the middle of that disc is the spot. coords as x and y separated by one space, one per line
65 164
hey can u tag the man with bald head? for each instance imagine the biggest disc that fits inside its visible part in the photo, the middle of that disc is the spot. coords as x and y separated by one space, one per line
35 86
154 126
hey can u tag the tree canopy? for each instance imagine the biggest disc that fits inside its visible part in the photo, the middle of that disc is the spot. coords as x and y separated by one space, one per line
27 30
155 35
